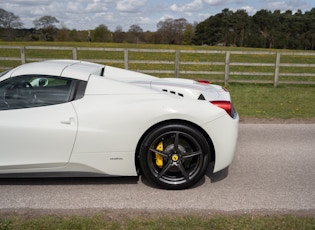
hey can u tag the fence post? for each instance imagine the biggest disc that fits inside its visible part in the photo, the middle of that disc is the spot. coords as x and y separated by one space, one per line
277 69
227 68
74 53
126 58
176 63
23 58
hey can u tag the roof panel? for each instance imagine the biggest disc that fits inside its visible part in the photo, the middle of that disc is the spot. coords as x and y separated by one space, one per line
64 68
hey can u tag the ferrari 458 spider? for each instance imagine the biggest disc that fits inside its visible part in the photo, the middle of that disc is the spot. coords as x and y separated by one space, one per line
69 117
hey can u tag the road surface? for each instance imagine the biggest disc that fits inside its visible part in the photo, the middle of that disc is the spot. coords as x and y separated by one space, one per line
273 171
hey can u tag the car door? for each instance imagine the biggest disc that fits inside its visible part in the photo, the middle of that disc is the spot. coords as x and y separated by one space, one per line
38 123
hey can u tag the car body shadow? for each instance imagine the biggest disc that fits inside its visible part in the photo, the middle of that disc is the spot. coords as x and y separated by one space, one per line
69 180
78 180
214 177
218 176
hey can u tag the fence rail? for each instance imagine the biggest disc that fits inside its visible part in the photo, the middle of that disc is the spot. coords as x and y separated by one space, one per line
181 67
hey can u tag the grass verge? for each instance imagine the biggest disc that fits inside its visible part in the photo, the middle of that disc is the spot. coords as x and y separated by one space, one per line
160 222
265 101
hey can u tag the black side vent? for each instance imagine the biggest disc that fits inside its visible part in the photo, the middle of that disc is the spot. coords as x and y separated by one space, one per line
173 92
201 97
102 72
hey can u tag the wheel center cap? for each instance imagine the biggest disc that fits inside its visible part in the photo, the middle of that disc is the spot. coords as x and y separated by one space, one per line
175 157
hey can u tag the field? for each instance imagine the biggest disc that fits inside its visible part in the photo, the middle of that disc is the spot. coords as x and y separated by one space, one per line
260 61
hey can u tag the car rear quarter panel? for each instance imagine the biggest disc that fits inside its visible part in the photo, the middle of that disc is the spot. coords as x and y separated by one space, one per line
110 127
113 116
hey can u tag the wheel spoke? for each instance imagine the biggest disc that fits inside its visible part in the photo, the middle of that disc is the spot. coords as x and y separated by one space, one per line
162 153
176 141
183 171
192 154
165 169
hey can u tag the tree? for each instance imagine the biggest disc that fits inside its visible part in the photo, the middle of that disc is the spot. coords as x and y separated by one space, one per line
46 26
266 22
9 22
188 34
135 34
63 34
45 22
309 30
171 30
265 29
240 25
101 34
216 30
74 35
119 35
296 30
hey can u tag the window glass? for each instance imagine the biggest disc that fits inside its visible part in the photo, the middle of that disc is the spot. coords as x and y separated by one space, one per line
33 91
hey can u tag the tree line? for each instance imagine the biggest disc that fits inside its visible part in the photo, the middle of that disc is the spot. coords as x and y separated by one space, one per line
265 29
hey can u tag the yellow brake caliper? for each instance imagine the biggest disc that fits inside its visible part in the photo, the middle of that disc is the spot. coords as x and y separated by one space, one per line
158 157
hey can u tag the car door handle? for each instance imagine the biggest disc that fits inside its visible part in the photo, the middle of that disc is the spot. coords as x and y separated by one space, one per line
70 121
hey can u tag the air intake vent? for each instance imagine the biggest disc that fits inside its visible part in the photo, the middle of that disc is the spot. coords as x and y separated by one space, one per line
173 92
201 97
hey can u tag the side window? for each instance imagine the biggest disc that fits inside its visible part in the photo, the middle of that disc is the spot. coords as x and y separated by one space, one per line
33 91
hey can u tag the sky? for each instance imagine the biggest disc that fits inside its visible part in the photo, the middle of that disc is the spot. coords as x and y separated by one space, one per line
88 14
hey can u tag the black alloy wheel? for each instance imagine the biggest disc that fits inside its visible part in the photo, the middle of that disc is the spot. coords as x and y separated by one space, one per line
174 156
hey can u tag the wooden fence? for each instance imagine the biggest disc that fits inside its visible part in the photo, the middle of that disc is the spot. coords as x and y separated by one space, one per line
181 68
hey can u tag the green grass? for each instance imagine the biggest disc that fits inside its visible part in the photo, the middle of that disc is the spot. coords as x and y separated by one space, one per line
161 222
265 101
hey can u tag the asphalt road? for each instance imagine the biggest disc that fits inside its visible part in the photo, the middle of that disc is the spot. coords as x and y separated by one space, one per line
273 170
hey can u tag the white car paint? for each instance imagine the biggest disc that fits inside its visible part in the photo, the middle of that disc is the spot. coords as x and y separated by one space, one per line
185 87
38 137
99 133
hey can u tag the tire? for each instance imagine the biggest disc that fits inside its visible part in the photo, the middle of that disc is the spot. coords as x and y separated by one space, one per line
174 156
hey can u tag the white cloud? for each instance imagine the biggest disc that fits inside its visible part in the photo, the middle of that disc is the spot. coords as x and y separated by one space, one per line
130 5
98 6
167 16
222 2
280 5
74 7
287 5
213 2
193 6
30 2
249 9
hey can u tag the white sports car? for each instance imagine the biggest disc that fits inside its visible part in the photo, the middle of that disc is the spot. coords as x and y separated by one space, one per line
71 118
